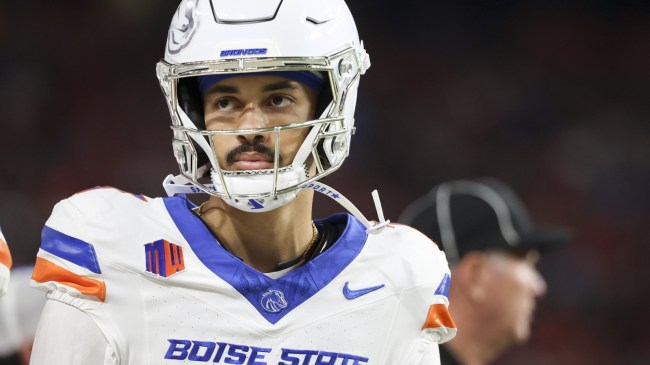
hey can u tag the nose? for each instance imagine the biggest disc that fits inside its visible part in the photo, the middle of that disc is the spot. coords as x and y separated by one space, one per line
538 284
252 117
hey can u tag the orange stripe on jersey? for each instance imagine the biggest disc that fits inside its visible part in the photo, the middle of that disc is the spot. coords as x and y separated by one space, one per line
5 255
438 316
45 271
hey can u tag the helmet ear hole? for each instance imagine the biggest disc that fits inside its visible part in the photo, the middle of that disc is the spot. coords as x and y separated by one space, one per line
191 101
324 160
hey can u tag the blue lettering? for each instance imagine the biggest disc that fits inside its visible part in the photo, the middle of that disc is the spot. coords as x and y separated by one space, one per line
287 356
257 353
178 349
308 354
237 354
227 353
320 360
220 350
355 359
197 346
247 51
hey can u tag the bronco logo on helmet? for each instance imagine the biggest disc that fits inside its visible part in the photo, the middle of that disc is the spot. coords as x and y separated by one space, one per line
183 26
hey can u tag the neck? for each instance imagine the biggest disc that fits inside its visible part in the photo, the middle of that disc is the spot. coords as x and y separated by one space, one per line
470 353
262 240
475 344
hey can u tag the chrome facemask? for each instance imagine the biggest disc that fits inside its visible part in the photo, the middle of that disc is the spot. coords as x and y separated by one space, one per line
326 145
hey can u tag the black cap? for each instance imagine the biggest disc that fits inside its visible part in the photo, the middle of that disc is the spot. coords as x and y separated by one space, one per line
480 214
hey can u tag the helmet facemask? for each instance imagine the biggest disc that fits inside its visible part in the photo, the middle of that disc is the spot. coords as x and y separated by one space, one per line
325 146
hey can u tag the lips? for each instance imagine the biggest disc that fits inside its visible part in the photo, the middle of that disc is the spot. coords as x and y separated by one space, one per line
253 161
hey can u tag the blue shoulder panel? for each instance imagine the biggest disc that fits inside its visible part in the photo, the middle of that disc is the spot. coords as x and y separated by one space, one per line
69 248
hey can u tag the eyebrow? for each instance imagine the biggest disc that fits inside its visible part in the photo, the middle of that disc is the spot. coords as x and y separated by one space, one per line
282 85
223 89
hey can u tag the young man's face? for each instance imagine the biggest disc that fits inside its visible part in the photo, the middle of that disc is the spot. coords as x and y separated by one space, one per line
248 102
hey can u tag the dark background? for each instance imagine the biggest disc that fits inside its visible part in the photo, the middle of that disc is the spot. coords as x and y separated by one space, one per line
552 98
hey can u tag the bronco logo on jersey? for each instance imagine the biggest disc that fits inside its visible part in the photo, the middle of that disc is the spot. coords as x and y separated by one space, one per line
273 301
164 258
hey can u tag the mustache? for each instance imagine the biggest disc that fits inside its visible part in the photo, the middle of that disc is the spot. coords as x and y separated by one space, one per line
249 147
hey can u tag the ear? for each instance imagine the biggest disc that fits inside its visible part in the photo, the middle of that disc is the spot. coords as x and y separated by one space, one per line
472 274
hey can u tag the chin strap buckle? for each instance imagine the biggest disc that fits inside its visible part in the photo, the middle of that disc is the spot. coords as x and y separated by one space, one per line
383 222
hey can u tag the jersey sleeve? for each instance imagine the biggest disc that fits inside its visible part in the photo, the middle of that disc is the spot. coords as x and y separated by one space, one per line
431 355
63 325
426 277
438 326
5 265
79 242
67 267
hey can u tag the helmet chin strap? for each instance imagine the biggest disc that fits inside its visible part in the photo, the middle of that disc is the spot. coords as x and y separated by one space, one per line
371 227
179 184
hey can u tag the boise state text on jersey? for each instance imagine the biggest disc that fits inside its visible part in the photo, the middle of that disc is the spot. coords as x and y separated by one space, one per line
228 353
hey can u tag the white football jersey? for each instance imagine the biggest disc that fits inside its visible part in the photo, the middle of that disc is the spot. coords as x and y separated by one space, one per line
162 290
5 265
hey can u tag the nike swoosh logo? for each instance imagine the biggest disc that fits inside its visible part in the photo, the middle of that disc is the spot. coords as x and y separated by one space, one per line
353 294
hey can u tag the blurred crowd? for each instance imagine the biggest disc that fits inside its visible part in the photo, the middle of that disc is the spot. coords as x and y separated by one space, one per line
552 99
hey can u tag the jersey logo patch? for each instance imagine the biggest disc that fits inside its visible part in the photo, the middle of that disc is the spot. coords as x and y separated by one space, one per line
353 294
164 258
273 301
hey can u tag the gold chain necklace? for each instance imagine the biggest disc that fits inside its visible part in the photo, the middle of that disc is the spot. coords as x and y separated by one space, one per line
314 239
199 210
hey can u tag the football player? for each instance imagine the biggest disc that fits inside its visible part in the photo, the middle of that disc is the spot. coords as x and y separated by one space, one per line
262 96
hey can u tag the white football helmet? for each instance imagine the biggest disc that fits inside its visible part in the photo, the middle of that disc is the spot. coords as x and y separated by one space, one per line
209 37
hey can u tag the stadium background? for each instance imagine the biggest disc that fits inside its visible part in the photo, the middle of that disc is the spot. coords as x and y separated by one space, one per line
551 98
